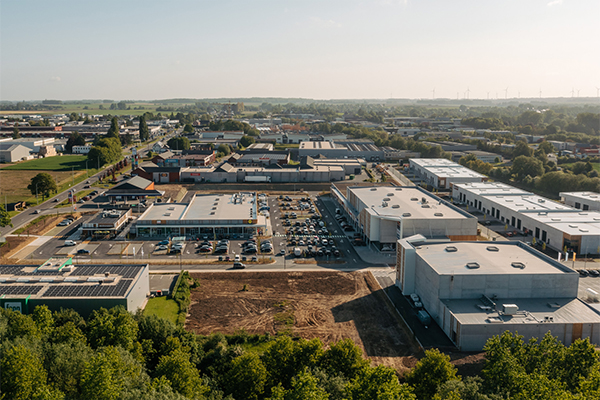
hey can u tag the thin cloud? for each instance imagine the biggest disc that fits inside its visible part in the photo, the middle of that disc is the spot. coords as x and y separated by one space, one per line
324 23
55 78
555 3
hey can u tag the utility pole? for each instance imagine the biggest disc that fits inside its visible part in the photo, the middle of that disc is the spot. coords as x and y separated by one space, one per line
73 174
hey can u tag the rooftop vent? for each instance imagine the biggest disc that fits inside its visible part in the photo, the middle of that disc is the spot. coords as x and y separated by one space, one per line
212 213
406 214
518 264
472 265
414 199
583 213
451 249
572 226
438 214
373 189
492 248
398 189
386 199
541 201
390 194
555 219
425 206
395 206
583 230
166 214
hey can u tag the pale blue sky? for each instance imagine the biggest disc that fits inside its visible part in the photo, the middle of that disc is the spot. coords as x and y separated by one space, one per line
145 49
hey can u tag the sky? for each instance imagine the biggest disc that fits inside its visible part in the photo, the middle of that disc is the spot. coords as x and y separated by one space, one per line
328 49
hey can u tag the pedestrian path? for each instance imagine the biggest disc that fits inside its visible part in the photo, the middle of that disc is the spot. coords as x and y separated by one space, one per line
385 277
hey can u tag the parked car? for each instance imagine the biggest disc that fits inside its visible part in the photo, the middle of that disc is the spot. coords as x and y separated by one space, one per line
163 242
162 247
83 251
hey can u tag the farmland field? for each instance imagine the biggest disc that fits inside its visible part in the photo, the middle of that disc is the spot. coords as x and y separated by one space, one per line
56 163
13 184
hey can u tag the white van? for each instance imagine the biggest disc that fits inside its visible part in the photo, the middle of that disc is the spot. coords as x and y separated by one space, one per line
70 243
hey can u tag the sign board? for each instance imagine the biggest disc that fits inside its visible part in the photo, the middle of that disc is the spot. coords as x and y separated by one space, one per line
14 306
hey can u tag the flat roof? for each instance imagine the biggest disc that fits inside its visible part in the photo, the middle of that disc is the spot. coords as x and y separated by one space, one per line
406 202
494 258
321 145
588 196
164 211
238 206
444 168
560 216
562 311
81 281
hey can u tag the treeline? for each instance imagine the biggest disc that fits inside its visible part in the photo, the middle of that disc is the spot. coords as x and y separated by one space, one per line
583 127
116 355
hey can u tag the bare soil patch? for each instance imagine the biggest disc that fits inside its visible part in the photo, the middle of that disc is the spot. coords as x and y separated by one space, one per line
327 305
12 246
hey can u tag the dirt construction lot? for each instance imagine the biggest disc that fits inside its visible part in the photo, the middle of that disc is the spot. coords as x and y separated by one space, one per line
325 305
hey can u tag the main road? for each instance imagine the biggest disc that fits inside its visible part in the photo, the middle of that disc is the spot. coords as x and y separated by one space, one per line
46 207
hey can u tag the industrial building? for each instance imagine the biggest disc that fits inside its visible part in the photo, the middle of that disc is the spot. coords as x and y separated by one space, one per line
442 173
58 283
308 170
10 152
106 224
133 188
216 215
357 148
475 290
556 224
581 200
384 214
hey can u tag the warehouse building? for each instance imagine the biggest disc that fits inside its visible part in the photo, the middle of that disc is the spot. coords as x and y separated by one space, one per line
10 152
384 214
581 200
442 173
216 215
58 283
556 224
475 290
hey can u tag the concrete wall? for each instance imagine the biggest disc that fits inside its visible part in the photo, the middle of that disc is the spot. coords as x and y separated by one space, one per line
427 284
506 286
474 337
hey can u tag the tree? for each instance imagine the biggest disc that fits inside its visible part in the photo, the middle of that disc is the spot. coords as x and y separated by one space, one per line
23 375
43 184
179 143
188 128
246 377
74 140
379 383
523 166
113 131
183 375
108 373
522 149
16 134
42 317
224 149
430 372
144 133
246 140
105 151
547 147
114 327
4 217
344 357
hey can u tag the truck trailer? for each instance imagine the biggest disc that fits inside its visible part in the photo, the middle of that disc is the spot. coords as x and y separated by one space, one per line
257 178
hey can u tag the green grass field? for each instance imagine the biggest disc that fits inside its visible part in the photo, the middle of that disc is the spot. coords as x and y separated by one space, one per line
56 163
596 166
163 307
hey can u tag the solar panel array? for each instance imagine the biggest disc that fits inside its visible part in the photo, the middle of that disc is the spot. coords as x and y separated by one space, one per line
101 290
126 271
20 289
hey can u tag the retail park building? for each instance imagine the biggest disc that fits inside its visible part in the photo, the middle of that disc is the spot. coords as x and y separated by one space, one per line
216 215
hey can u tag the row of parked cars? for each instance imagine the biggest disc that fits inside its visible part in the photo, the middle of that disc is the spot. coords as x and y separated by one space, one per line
589 272
250 246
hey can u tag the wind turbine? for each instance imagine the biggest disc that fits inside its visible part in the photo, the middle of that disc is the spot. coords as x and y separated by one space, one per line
597 91
540 93
572 92
506 93
488 95
578 90
467 92
433 91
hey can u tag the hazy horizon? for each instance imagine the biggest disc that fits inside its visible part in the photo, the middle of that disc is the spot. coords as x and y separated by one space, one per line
152 50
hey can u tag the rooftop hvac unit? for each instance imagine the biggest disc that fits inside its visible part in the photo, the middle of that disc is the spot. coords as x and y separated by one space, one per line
510 309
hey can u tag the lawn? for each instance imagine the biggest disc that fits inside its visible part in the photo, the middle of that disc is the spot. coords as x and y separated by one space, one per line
595 166
13 184
163 307
56 163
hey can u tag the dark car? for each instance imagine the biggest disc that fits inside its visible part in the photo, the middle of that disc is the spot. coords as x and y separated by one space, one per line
83 251
238 265
593 273
583 272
